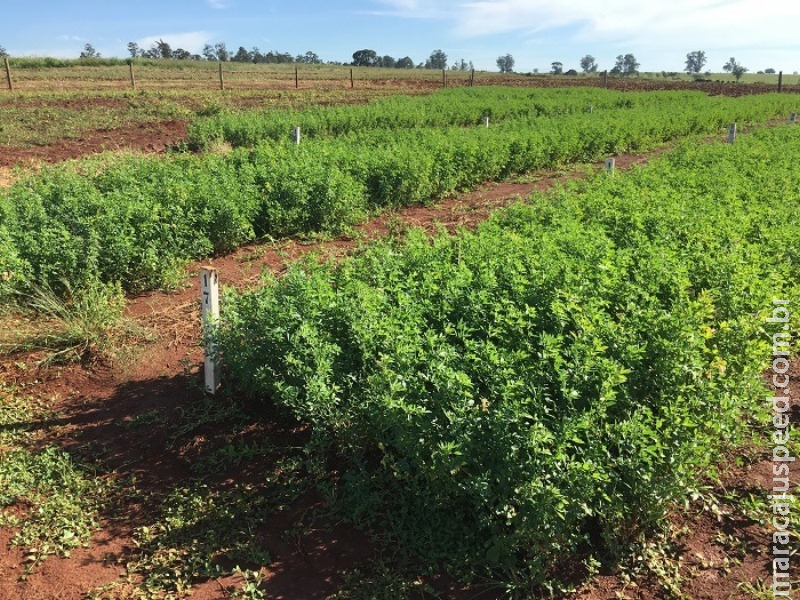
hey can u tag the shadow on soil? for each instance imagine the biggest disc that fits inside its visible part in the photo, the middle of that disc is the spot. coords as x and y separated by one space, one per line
222 485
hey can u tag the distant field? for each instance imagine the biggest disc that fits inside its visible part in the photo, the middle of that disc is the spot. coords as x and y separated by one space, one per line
32 119
31 74
62 109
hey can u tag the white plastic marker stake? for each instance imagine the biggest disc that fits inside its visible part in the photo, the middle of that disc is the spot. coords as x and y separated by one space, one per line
591 109
209 287
793 118
296 135
610 164
486 121
732 133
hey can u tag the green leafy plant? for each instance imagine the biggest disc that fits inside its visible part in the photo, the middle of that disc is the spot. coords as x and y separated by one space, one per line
555 380
135 220
51 499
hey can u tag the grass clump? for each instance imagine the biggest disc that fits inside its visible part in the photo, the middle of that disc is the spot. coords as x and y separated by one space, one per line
73 324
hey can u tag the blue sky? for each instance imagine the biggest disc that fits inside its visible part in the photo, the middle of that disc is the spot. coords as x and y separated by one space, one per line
759 33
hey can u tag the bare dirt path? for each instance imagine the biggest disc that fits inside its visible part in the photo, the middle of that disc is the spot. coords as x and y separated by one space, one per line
145 137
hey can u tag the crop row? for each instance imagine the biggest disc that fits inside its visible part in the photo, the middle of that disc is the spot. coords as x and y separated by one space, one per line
448 108
497 400
135 220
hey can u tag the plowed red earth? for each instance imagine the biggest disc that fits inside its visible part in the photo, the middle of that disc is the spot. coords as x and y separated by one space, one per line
95 400
147 137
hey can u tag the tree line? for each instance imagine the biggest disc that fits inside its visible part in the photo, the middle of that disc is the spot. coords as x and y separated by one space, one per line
219 53
626 64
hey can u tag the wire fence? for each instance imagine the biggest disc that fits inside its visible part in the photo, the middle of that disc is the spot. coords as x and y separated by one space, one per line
207 75
41 76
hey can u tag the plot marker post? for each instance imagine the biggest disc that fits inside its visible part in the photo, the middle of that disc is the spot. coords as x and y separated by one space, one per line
209 288
8 74
732 133
611 164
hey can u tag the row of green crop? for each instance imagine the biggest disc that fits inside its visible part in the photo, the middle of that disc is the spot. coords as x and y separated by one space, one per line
497 401
136 219
448 108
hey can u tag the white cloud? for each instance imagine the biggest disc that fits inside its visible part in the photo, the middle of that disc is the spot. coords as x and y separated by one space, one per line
69 38
412 9
193 41
218 4
710 24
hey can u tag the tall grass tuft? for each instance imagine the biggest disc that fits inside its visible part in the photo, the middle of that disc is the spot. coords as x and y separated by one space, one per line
79 324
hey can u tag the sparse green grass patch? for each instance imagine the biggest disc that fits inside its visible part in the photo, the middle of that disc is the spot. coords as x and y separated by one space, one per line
50 499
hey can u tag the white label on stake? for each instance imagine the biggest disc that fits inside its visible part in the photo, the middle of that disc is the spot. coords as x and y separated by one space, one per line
209 288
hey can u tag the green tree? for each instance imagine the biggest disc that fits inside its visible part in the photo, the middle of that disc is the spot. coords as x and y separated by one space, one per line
405 63
589 64
365 58
505 63
734 68
556 68
222 52
695 61
181 54
3 52
89 52
241 56
626 65
217 52
437 60
309 58
133 48
388 62
275 57
255 55
208 52
162 49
